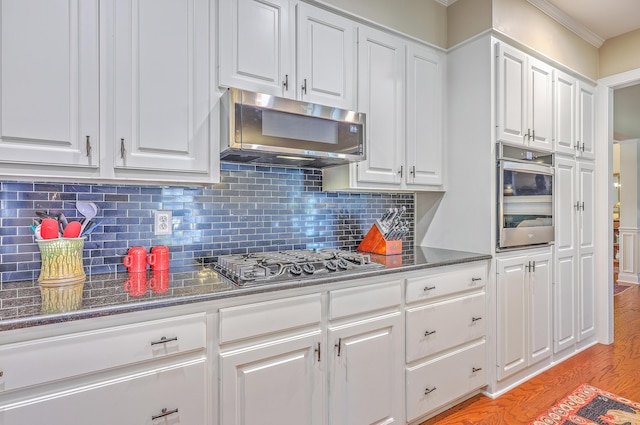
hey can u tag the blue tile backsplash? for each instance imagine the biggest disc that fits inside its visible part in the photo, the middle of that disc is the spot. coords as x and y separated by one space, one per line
254 208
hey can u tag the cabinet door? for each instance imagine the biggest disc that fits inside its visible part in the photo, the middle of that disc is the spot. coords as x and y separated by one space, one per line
174 395
512 300
565 247
540 278
278 382
586 120
381 97
565 89
586 248
161 94
326 57
49 82
540 104
365 378
255 51
511 95
425 77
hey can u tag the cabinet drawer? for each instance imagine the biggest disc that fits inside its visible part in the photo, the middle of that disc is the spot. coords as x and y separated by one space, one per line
439 326
176 394
445 282
268 317
436 383
364 299
50 359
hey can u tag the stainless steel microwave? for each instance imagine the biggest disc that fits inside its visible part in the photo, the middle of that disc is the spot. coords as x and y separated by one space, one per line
261 128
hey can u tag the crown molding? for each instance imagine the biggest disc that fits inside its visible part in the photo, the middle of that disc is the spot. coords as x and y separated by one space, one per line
568 22
446 2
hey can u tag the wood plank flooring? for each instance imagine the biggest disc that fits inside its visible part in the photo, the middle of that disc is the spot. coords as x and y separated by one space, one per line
614 368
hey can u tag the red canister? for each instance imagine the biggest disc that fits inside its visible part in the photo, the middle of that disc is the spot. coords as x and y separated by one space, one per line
159 258
136 259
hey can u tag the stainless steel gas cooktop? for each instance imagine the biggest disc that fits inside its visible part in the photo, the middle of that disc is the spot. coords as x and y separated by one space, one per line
282 266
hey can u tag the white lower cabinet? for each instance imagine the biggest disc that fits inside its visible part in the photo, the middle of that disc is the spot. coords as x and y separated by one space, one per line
446 326
437 382
365 373
274 382
173 395
524 317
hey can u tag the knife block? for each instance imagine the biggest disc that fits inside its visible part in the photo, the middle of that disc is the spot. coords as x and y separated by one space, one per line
375 243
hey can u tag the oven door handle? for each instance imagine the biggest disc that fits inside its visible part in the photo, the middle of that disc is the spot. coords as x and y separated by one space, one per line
527 168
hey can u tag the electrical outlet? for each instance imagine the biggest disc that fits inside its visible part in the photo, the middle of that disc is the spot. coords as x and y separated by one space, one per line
162 224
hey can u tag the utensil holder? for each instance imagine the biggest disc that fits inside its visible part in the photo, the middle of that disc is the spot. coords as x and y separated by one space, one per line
61 260
375 243
62 275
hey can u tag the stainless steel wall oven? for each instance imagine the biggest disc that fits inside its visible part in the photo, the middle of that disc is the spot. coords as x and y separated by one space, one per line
524 197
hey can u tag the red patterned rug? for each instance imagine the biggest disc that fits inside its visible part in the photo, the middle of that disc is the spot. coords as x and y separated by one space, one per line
589 405
618 289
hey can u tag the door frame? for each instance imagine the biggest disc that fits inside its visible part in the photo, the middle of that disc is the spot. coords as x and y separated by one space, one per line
605 199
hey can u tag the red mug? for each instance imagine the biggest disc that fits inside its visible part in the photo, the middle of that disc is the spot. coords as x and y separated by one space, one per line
136 284
159 258
159 281
136 259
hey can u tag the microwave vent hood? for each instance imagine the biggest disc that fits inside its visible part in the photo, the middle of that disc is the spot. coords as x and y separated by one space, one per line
265 129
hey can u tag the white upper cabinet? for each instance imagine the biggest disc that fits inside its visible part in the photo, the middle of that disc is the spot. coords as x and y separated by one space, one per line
160 96
260 52
400 89
565 89
524 99
49 83
255 51
381 58
326 57
586 121
425 85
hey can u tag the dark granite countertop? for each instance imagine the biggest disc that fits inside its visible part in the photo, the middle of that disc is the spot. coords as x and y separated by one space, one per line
116 293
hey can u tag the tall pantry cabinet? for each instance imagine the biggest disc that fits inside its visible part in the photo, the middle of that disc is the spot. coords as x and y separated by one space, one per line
555 317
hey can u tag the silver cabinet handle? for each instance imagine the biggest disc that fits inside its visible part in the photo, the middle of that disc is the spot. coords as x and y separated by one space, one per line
317 351
533 134
578 206
88 147
475 319
577 145
429 390
413 171
164 412
475 279
304 87
339 346
427 333
475 369
122 150
401 170
429 288
285 83
164 340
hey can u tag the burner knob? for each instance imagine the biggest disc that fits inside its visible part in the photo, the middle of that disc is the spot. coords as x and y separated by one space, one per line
343 264
295 270
331 266
308 268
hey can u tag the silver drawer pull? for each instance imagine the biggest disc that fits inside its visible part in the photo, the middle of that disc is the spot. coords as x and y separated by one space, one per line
429 390
475 319
164 340
164 412
427 333
475 369
475 279
429 288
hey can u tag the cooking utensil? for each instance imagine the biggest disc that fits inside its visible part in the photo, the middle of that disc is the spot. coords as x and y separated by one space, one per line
90 227
72 230
88 210
49 229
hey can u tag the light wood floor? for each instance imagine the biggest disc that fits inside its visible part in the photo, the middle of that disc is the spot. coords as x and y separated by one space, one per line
614 368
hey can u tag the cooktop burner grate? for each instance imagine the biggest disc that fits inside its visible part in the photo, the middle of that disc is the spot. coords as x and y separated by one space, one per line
281 266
